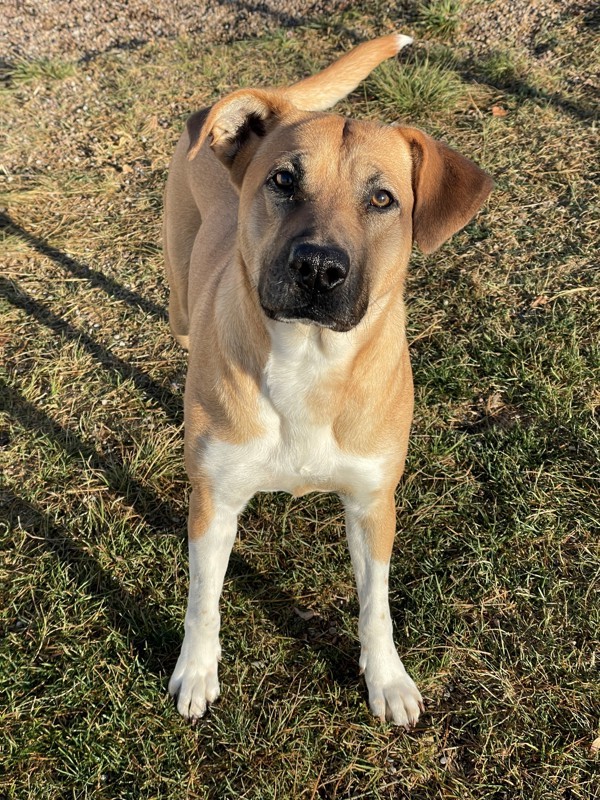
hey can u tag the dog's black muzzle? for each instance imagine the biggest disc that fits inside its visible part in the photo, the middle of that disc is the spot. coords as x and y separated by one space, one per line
314 283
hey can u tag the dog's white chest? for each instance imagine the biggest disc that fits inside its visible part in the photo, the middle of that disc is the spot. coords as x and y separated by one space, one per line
302 447
297 452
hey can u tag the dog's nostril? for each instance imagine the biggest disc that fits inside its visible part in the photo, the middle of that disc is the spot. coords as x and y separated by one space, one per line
305 271
333 276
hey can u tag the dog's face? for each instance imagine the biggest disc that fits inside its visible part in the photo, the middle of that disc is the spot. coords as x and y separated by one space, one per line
325 218
330 207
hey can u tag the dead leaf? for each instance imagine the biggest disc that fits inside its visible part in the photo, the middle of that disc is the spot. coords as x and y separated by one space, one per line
494 403
540 300
305 615
498 111
595 746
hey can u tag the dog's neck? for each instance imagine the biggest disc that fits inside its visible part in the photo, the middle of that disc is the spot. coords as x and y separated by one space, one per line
290 360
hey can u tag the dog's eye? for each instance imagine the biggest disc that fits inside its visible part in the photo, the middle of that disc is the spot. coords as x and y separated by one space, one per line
381 199
284 180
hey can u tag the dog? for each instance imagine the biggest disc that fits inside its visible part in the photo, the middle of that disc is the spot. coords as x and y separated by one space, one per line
287 234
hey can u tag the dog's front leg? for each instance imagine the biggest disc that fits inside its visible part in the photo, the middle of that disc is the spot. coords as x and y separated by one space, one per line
370 529
211 534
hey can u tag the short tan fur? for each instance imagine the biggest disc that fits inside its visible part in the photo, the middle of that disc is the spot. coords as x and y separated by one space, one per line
261 384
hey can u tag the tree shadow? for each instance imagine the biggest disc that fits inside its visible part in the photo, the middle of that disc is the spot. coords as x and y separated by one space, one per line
272 15
154 635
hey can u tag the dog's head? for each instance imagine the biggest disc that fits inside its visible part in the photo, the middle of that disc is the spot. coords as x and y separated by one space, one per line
330 207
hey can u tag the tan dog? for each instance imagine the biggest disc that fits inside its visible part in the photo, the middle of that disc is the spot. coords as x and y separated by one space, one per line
287 236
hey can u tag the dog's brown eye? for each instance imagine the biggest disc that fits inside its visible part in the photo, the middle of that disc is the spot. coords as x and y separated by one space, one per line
381 199
284 180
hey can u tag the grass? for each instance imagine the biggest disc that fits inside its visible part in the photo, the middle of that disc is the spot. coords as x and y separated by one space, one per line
417 88
440 18
495 574
43 69
504 67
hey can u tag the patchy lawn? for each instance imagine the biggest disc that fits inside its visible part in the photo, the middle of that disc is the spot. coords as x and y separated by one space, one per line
494 585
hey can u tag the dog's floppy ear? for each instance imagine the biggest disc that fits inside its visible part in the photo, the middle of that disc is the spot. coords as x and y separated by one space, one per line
448 189
237 119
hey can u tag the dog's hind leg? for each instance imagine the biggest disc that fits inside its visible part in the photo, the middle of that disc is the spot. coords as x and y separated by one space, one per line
181 224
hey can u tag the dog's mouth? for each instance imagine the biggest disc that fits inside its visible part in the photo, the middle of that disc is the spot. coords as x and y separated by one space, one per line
309 315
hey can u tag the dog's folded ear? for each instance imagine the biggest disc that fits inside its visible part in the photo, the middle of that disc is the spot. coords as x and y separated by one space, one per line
448 189
236 120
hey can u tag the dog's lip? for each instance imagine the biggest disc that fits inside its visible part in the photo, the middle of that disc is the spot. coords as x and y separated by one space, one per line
309 316
304 314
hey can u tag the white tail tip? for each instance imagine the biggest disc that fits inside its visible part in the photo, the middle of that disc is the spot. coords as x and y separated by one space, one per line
403 41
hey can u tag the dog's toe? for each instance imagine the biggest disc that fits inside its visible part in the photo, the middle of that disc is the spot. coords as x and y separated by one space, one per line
393 695
195 687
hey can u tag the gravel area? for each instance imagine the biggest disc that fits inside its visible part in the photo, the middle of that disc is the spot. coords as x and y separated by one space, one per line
76 29
515 23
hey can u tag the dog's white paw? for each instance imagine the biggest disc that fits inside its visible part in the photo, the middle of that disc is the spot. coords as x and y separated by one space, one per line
195 681
393 695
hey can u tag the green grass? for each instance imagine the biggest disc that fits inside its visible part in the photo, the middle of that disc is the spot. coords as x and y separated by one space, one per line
504 67
440 18
418 87
43 69
495 574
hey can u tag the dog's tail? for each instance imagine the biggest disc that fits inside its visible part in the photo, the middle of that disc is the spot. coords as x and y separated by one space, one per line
321 91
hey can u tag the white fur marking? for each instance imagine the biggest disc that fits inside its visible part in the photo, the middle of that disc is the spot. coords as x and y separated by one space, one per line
403 41
195 677
393 694
295 449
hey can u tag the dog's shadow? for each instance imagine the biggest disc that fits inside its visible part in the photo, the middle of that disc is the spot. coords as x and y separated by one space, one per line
322 631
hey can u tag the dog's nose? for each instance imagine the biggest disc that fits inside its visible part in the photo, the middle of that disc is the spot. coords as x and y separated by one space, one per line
319 268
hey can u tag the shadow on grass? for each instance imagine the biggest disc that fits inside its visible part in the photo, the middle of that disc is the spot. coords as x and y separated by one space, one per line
156 511
272 15
94 276
338 652
154 634
164 398
520 89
